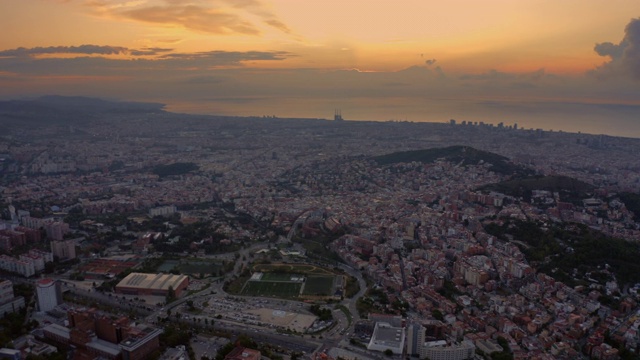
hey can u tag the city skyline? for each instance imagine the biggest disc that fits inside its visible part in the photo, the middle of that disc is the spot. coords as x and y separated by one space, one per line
571 66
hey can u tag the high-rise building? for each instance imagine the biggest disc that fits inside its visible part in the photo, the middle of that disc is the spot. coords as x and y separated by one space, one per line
12 213
6 291
112 330
140 343
415 340
8 302
56 230
31 235
48 292
64 250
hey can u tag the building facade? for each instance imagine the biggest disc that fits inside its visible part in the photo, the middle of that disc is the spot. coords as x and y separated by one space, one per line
48 292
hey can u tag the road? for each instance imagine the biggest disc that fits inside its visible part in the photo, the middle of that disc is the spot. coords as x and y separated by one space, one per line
337 335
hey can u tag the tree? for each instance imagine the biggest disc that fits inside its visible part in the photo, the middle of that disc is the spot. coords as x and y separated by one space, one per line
171 294
388 352
437 314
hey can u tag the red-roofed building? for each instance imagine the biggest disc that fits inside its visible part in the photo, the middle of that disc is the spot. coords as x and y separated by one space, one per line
242 353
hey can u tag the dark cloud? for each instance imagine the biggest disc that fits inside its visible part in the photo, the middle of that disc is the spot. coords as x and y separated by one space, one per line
230 57
149 51
101 65
609 49
22 52
489 75
239 100
495 75
82 49
624 58
205 79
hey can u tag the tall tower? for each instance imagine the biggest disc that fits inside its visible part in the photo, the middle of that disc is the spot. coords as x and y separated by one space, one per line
337 116
415 340
48 294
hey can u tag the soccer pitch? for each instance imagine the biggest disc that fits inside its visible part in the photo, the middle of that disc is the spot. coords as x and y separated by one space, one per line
318 285
272 289
290 281
286 277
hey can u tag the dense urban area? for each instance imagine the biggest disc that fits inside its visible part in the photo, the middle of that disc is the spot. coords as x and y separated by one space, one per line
131 233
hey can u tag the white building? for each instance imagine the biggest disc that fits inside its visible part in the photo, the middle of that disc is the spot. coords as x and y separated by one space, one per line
28 265
48 294
56 230
6 291
415 340
163 211
47 256
441 350
8 302
387 337
32 223
37 260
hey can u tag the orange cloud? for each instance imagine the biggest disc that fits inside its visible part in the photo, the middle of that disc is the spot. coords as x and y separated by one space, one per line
194 18
226 17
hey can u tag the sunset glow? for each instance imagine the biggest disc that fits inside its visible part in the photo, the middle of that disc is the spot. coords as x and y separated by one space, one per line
180 52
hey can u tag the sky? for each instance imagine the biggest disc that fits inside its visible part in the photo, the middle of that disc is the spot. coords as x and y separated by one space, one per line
570 65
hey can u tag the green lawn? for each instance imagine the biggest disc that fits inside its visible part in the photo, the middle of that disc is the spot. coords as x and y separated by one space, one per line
200 267
278 276
168 265
269 288
292 268
319 285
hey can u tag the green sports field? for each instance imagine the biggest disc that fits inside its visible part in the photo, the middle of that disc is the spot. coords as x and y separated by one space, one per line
278 277
272 288
319 285
285 281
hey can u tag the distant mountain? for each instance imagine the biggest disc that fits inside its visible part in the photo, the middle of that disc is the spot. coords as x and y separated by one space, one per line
463 155
67 109
97 105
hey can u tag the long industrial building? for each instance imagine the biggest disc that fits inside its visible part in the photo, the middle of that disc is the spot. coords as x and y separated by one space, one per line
140 284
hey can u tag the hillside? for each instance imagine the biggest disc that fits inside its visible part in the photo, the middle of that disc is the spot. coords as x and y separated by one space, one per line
66 110
572 253
463 155
570 189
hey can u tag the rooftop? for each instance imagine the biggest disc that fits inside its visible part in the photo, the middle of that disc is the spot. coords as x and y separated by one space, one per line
385 334
146 334
152 281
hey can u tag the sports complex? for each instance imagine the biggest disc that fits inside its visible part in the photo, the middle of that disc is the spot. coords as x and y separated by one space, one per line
300 281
